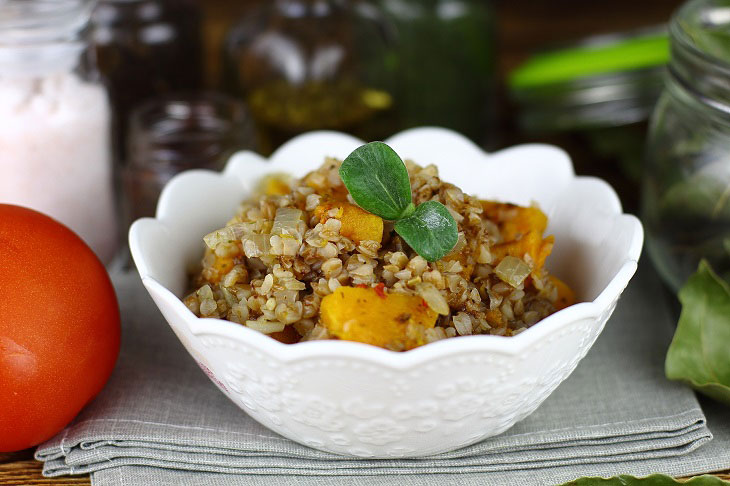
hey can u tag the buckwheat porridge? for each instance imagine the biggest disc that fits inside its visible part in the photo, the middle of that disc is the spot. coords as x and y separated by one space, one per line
301 261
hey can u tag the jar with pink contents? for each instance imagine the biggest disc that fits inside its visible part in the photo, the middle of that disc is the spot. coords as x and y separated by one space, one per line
55 120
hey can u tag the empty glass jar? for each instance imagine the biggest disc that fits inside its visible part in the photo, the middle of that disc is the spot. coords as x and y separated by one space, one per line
176 133
686 187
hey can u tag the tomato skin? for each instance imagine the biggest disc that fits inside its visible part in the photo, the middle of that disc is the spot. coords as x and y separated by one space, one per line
59 327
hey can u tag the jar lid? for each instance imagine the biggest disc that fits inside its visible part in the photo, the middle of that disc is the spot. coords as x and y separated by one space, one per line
41 37
34 21
606 80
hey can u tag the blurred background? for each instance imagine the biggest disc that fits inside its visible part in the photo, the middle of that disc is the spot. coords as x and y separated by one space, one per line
192 81
403 63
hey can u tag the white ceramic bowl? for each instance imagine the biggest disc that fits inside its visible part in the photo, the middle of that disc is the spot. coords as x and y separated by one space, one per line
359 400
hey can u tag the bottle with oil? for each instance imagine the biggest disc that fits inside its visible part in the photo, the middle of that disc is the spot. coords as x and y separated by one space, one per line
306 65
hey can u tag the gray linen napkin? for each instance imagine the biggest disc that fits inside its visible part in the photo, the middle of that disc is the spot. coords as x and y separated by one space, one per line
714 456
160 410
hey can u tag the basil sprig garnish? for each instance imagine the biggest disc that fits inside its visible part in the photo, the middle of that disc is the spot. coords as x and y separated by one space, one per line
377 179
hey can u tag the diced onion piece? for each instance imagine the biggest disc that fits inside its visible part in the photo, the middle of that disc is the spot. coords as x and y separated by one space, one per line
265 327
229 297
286 296
512 270
463 324
286 223
288 214
434 299
228 234
460 244
205 292
256 245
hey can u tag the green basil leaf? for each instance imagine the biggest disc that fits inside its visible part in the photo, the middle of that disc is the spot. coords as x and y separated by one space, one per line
653 480
378 181
431 230
699 353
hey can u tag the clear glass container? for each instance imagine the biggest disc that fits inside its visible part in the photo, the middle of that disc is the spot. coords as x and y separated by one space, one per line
55 150
686 187
312 64
146 48
176 133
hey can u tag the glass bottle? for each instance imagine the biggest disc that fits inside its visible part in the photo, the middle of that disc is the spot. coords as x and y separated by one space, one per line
445 64
686 187
55 152
311 64
147 48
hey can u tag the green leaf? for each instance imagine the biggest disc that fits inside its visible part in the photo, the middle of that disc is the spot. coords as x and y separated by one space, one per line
700 351
378 181
430 230
653 480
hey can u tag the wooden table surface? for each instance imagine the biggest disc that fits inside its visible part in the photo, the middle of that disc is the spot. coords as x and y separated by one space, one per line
522 28
20 469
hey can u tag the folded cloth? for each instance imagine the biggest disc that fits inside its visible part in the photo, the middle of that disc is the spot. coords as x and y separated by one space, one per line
714 456
160 411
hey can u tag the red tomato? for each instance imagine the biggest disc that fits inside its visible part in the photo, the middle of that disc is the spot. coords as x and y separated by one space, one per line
59 327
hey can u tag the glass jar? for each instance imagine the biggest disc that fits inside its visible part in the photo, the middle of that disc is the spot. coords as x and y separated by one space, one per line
444 64
55 152
176 133
312 64
686 188
146 48
595 97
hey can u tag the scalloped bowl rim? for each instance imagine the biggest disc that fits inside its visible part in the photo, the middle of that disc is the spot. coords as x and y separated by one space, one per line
512 345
